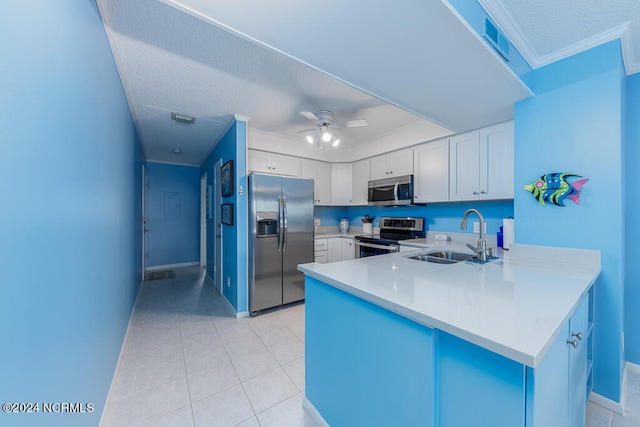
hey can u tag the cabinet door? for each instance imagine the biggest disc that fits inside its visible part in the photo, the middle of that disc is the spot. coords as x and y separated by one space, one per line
464 166
341 184
401 162
578 330
380 167
285 165
496 162
258 161
348 249
361 177
334 251
431 172
323 184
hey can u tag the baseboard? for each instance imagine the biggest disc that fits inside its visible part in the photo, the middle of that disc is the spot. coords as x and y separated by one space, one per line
124 341
633 367
606 403
313 413
170 266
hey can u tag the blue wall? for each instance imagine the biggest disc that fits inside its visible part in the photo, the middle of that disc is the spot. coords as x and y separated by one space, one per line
70 215
632 286
439 216
574 123
233 146
174 214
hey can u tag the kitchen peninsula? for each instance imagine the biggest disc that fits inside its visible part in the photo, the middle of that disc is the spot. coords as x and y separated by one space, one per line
392 340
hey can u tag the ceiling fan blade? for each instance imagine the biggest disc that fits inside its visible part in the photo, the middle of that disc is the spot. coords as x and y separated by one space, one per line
351 124
309 115
306 131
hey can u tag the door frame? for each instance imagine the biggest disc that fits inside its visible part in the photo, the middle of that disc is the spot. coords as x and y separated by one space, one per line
219 232
145 220
203 221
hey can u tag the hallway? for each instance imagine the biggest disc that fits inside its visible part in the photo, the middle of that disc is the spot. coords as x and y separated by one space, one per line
187 362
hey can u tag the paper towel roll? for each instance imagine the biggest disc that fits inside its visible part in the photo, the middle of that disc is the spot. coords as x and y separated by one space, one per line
508 232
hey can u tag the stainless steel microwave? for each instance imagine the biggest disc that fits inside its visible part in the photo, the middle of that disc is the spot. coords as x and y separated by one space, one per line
395 191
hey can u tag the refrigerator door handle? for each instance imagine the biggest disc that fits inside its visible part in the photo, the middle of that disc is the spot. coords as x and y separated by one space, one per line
280 224
284 216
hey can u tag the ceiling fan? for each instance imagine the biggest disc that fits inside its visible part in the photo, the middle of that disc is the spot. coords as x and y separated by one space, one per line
323 132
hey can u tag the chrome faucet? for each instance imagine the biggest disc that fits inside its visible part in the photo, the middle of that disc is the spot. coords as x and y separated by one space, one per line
481 249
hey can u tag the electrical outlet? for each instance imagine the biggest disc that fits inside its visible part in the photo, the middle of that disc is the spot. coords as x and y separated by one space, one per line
228 282
476 227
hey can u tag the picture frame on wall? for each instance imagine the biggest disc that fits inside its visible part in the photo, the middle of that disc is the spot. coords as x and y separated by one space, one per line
227 213
226 178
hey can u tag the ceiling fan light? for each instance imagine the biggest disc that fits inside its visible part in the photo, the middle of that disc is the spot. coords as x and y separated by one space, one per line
326 137
310 139
336 142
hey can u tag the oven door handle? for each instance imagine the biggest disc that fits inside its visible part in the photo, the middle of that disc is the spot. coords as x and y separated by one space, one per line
390 248
395 191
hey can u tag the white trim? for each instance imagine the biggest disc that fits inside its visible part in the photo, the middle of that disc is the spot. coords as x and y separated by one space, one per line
606 403
313 413
169 266
502 18
203 220
124 341
241 118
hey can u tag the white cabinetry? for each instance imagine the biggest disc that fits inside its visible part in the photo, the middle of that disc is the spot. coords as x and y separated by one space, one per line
320 250
348 248
320 172
341 184
334 251
396 163
431 172
272 163
481 164
340 249
361 177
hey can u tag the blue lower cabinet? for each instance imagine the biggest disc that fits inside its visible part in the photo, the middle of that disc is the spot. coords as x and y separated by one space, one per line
367 366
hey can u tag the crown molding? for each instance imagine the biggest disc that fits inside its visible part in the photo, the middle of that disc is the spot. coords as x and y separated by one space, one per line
503 19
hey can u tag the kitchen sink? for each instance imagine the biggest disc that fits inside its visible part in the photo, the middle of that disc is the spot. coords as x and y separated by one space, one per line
441 257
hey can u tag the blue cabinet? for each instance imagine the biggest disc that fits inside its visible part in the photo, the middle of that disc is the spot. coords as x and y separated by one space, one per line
368 366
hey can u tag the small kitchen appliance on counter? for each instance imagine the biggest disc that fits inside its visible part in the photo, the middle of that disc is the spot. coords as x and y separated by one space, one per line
392 231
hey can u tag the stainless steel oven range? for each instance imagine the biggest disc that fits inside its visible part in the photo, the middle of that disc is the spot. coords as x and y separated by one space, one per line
392 231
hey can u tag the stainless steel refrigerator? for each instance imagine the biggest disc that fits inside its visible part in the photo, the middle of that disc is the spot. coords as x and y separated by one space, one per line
280 238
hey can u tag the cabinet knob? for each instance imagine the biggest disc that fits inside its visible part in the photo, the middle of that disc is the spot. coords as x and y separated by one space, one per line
578 335
483 192
387 173
475 192
574 343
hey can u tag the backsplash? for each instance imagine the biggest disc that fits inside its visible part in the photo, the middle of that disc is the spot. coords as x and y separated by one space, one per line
438 216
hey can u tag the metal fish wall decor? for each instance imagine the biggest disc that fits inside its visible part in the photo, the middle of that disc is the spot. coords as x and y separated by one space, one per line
554 188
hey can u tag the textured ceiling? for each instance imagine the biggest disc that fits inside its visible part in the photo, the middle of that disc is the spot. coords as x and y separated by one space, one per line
548 30
395 66
172 61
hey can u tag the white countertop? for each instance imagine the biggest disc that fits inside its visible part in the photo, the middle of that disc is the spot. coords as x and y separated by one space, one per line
513 306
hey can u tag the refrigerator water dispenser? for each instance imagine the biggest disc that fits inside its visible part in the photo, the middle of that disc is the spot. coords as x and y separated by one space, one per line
266 224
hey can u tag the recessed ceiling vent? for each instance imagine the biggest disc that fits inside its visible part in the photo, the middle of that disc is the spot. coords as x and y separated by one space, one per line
496 39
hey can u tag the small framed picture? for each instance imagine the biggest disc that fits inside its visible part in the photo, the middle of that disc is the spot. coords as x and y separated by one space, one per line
226 177
227 213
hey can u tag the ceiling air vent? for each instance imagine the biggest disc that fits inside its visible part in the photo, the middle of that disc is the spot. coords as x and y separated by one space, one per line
496 39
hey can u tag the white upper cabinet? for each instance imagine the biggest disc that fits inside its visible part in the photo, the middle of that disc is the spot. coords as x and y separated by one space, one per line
431 172
361 177
272 163
341 184
396 163
481 164
320 172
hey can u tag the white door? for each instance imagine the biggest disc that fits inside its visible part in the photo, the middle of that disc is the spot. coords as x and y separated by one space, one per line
145 230
217 250
204 202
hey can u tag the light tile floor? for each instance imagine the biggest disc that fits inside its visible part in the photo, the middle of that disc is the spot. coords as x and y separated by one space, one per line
188 362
